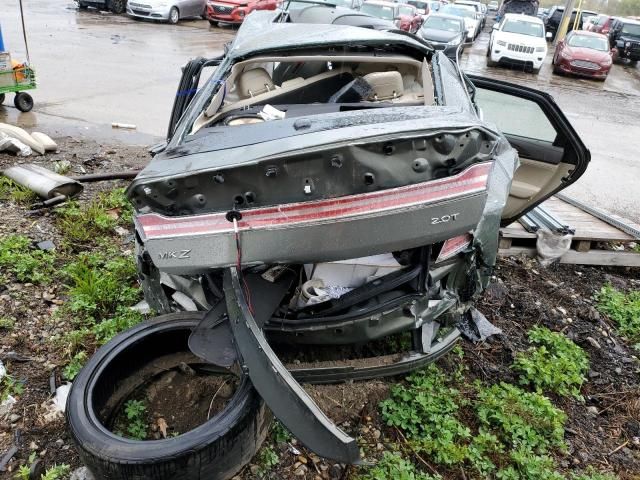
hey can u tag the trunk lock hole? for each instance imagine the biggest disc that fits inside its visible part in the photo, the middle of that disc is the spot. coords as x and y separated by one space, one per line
388 149
219 178
369 178
336 161
271 171
238 200
250 197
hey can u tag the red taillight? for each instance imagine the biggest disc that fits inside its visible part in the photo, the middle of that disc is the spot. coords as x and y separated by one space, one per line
453 246
472 180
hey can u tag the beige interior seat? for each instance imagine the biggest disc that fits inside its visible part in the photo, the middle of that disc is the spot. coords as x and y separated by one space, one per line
385 85
254 82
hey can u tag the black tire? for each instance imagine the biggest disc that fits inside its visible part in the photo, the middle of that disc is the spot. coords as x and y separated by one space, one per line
23 102
213 23
117 6
174 16
2 98
82 6
215 450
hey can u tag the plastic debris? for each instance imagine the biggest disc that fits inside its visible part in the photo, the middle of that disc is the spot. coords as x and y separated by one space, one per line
551 246
271 113
142 307
475 327
14 146
126 126
60 400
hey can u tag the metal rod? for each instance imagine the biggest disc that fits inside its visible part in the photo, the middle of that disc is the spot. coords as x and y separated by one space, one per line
98 177
602 215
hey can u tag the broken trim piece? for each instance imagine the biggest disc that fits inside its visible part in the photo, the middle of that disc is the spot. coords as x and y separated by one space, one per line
284 396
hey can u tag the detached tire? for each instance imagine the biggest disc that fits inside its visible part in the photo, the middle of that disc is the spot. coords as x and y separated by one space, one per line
215 450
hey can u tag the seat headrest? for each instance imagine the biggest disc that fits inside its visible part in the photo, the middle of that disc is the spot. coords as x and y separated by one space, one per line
254 82
385 85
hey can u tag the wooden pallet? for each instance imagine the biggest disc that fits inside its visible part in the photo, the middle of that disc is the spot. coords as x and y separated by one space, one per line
515 240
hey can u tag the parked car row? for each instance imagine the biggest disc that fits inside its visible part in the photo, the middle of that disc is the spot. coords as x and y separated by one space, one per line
521 40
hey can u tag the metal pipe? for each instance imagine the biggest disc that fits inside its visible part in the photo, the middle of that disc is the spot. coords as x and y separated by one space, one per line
98 177
45 183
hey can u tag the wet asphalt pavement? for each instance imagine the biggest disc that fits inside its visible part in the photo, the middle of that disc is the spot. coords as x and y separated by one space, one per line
95 68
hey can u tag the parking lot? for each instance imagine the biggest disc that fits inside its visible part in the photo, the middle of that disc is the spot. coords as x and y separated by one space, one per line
126 71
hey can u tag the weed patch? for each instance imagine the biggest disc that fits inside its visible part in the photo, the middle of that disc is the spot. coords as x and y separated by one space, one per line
267 459
393 467
75 365
100 282
425 409
7 323
521 420
554 364
12 191
83 224
28 264
10 386
623 309
136 411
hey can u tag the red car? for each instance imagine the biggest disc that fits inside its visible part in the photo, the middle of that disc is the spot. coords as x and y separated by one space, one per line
583 53
234 11
405 16
600 24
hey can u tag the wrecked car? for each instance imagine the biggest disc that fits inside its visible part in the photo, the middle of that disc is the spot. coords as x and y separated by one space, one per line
327 185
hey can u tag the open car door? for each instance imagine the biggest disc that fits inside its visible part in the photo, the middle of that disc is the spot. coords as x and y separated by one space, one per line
552 155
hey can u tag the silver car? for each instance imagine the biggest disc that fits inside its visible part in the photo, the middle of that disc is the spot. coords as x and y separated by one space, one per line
170 11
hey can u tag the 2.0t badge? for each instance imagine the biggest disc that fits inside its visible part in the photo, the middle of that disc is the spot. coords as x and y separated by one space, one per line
444 219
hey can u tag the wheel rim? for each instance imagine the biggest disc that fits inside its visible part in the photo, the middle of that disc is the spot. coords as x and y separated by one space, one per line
174 16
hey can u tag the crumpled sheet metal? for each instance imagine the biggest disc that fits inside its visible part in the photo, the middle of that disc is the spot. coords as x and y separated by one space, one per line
485 237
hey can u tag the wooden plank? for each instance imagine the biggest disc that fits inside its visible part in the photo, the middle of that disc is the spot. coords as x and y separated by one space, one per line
592 257
583 245
504 242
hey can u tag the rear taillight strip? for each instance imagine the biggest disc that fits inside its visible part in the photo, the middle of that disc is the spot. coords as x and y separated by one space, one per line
472 180
453 246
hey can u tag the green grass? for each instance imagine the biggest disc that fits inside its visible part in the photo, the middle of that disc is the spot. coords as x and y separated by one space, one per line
75 365
425 409
82 224
11 191
553 364
97 283
27 264
623 309
10 386
57 472
498 431
7 323
267 458
521 420
392 466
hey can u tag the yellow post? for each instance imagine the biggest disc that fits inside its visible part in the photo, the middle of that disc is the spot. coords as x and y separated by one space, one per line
564 23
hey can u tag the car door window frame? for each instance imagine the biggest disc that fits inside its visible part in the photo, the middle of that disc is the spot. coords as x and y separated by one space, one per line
575 152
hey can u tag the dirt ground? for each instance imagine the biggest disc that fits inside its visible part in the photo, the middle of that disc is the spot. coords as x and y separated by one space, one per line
604 431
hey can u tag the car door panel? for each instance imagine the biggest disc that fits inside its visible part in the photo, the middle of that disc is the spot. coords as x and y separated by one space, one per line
552 155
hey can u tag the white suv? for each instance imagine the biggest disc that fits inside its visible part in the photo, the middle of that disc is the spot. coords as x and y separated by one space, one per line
518 40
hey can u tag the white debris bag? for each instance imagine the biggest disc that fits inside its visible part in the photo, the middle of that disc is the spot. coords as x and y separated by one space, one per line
551 246
14 146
